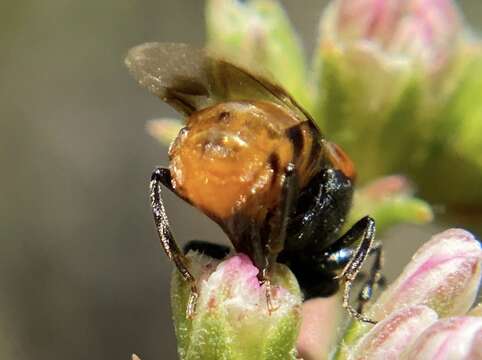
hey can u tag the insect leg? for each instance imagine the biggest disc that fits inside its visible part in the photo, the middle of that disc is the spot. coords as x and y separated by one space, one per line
364 229
278 225
215 251
162 176
375 277
339 258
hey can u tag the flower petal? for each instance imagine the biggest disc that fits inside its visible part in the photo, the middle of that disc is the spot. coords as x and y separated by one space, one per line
387 339
453 338
444 274
320 317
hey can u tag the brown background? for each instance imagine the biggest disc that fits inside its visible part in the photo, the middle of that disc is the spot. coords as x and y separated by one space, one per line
81 272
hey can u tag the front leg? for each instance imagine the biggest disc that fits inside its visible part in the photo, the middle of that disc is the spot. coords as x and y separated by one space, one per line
172 250
278 225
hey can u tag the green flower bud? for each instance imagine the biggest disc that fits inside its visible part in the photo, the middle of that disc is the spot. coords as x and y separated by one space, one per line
232 320
258 33
423 32
389 201
392 73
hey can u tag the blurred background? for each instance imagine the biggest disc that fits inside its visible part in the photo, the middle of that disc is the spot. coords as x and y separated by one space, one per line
82 275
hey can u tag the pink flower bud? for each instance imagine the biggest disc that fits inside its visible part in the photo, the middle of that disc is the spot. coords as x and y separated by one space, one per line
423 30
232 316
388 186
453 338
387 339
234 286
444 274
317 332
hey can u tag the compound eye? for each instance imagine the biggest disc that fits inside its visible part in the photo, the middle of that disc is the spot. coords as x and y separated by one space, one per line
340 160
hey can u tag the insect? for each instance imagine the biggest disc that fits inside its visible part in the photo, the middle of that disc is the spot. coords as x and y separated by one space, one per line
254 161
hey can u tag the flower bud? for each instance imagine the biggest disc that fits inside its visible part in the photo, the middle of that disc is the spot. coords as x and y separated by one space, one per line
425 31
397 72
164 130
387 339
453 338
232 320
444 274
258 33
318 327
390 201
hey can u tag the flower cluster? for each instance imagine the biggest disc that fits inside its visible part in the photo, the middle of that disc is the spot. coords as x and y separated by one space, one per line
404 72
397 84
426 33
424 314
385 73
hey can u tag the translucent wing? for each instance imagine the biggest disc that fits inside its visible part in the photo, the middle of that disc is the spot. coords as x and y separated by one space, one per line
191 79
